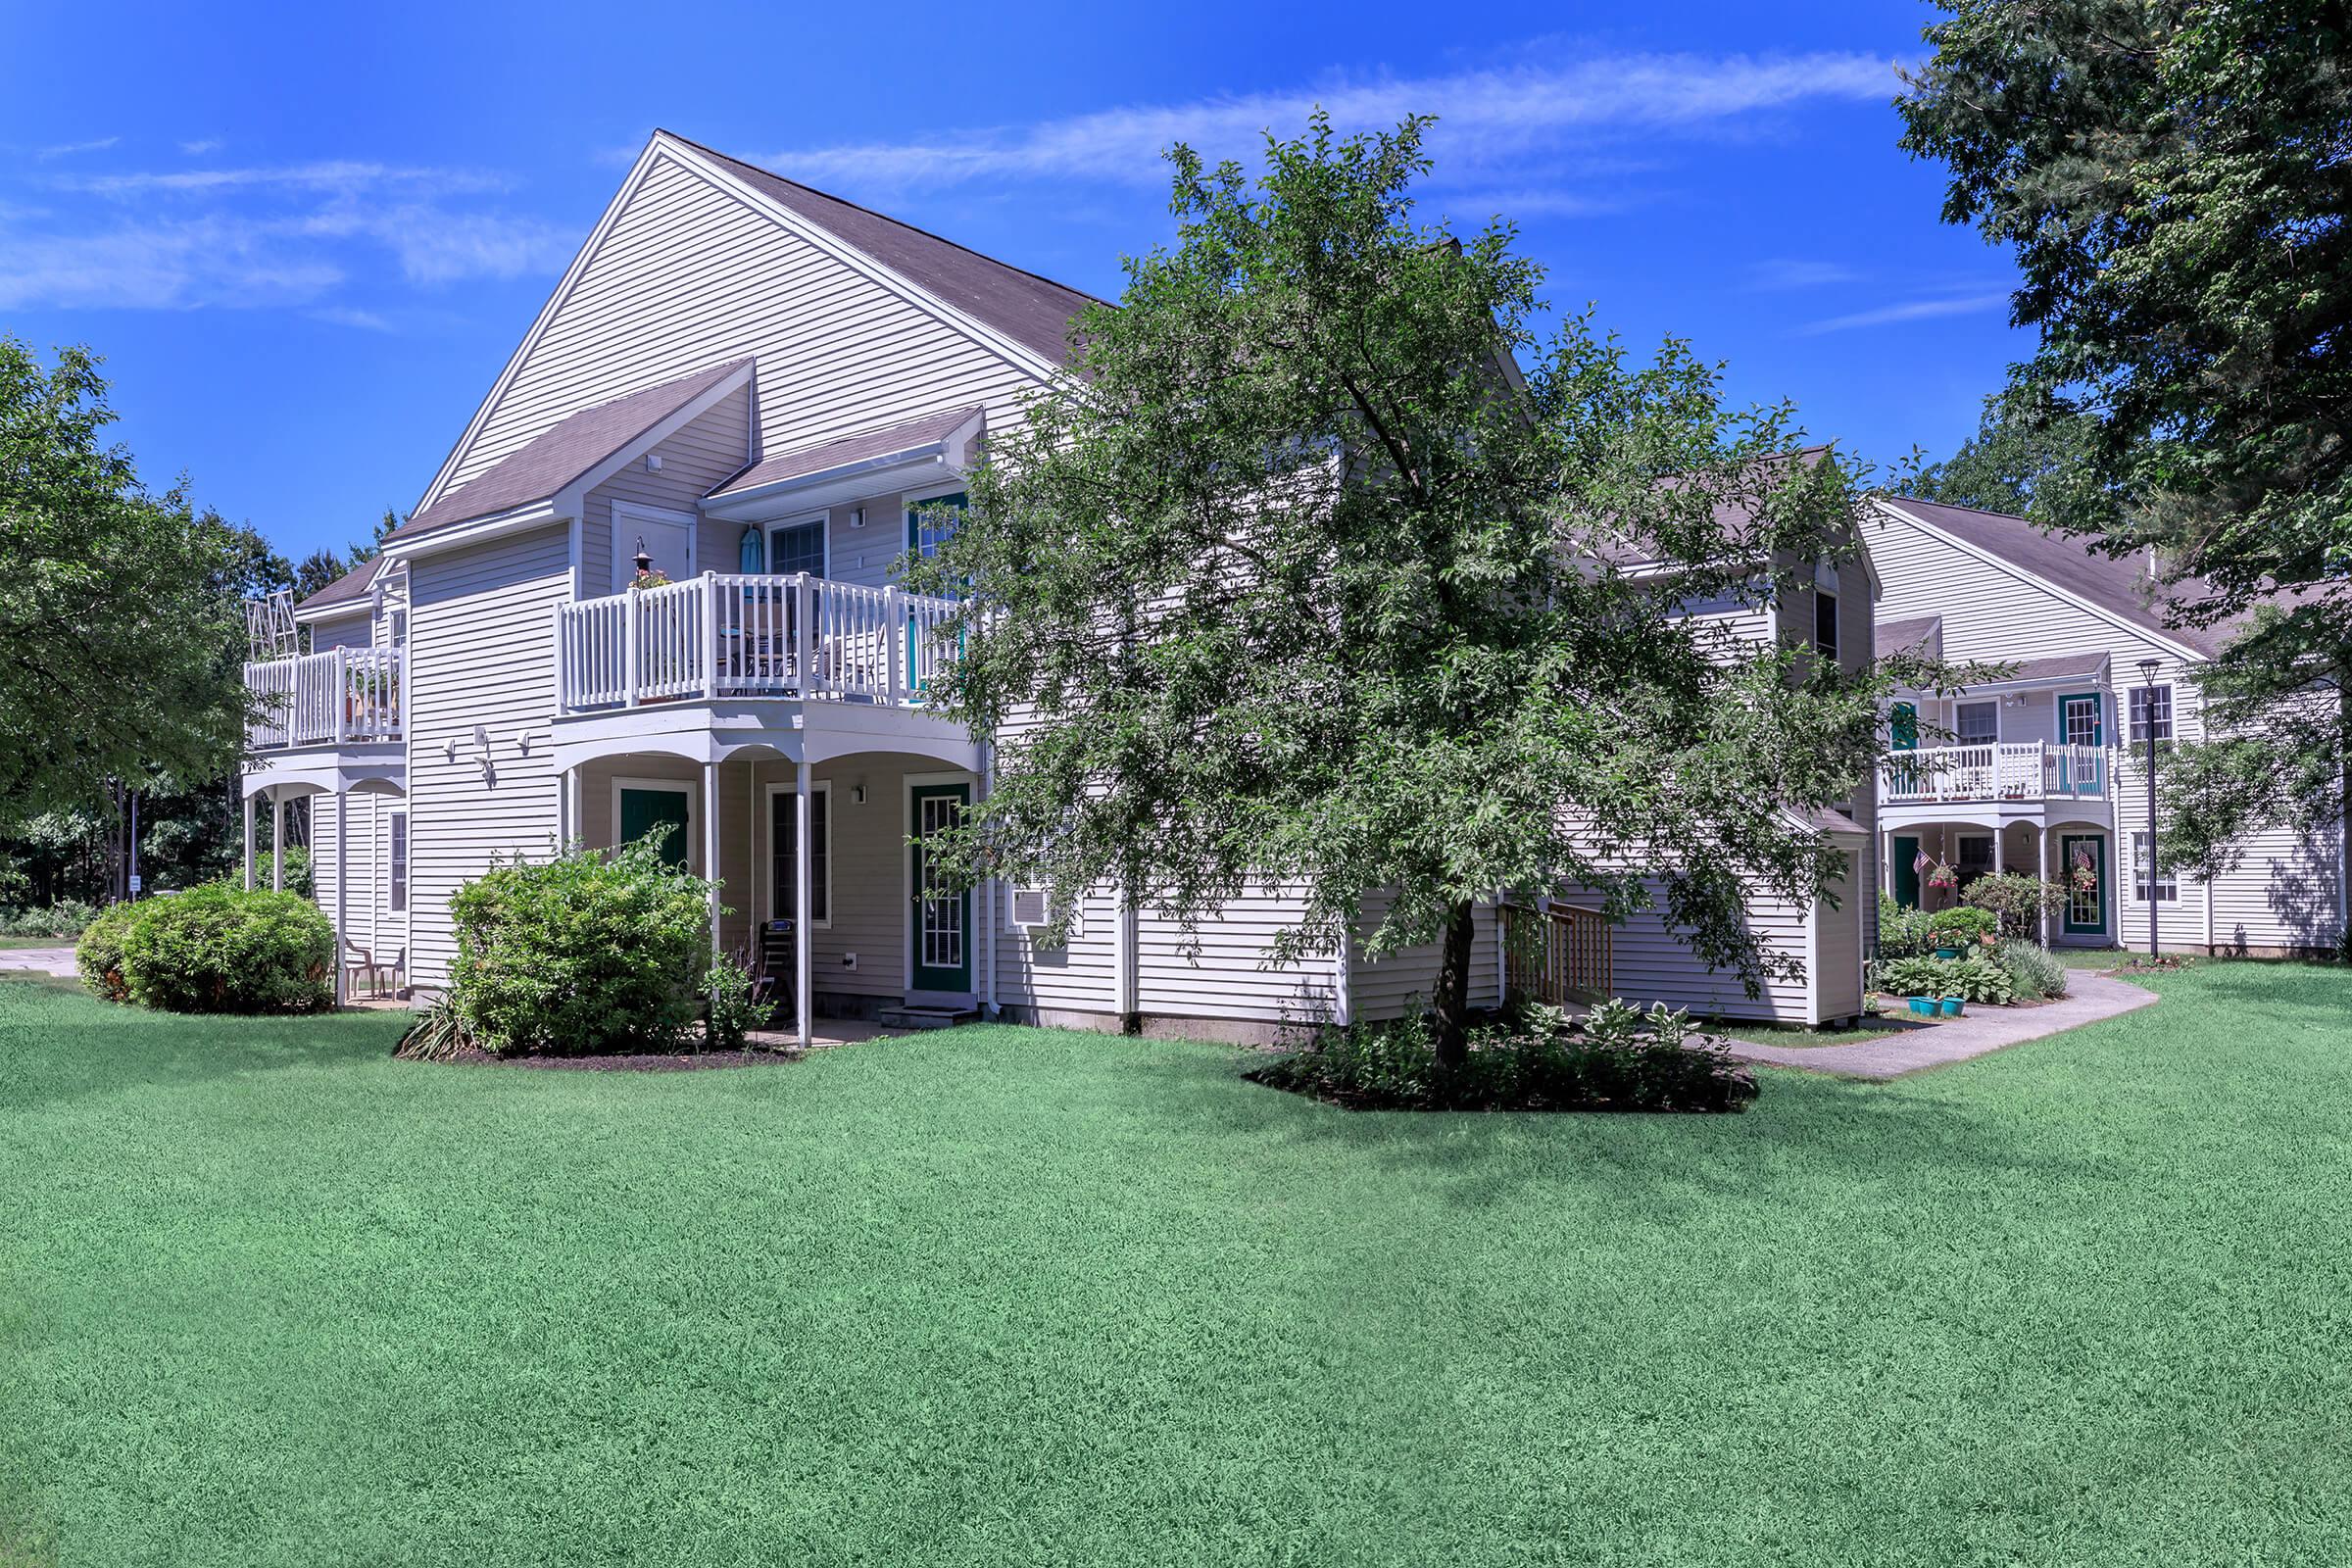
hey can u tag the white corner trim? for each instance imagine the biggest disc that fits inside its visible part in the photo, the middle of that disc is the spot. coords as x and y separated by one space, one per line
2034 579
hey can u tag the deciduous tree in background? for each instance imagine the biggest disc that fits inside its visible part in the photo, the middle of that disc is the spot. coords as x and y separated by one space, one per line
2170 177
1294 583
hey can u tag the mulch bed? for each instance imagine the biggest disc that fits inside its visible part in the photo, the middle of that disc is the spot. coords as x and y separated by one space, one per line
633 1061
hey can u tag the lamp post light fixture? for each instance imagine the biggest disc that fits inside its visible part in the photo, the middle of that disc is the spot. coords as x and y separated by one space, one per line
644 562
2147 681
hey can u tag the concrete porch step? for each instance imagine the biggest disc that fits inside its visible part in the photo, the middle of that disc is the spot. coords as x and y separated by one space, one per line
925 1018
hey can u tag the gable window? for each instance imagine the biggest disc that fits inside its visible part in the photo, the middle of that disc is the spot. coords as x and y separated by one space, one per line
784 897
1977 723
2168 883
396 628
797 547
2151 714
1825 623
396 863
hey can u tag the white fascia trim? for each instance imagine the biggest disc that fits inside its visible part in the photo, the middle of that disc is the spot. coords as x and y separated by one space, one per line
474 532
539 324
341 611
858 261
573 497
2035 579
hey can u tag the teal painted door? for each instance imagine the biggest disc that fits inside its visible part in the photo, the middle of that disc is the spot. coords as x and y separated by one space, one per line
644 812
1906 870
1902 728
2086 907
2082 721
942 917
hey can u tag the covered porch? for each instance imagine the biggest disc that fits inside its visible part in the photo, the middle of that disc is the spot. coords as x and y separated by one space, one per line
1978 844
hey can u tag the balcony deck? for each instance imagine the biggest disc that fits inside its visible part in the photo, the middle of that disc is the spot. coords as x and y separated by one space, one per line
2031 778
342 697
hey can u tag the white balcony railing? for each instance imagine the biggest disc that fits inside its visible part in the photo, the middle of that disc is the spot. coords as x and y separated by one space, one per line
2027 772
737 635
342 696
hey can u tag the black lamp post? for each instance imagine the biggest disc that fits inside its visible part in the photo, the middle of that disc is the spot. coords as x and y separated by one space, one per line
2147 681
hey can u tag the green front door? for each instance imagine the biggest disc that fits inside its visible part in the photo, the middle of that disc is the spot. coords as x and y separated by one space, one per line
644 812
942 917
1906 870
2085 905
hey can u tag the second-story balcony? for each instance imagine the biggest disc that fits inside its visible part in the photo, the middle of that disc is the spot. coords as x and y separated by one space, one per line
733 635
341 697
2028 775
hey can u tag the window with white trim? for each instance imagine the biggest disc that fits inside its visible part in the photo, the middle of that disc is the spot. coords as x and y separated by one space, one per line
2168 883
1977 723
1825 625
396 863
798 547
2151 712
784 840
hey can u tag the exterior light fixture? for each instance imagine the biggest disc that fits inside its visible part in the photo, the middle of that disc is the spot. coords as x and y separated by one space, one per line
645 562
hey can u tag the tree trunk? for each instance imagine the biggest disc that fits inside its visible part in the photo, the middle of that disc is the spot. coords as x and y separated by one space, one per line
2343 787
1452 998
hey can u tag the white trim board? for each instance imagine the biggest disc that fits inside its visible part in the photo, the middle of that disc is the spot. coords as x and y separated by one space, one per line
789 789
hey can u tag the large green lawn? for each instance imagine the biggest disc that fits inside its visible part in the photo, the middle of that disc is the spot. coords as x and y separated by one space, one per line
1006 1296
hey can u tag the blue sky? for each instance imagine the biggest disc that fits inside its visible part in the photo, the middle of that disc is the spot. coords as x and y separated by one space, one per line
306 239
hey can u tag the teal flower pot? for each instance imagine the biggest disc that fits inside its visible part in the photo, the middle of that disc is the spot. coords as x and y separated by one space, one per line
1925 1007
1951 1006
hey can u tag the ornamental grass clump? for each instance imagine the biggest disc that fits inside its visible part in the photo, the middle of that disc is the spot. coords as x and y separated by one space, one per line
220 949
590 953
2032 972
1616 1057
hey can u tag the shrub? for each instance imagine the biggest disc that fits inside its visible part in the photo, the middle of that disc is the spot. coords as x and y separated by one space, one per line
219 949
1902 930
2020 902
1978 977
66 917
99 952
1962 924
730 1012
439 1034
1616 1058
584 953
298 869
2032 972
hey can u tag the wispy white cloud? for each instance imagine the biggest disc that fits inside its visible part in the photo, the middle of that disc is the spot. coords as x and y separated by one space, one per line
197 262
1784 272
66 149
1488 118
350 316
1918 309
340 177
198 148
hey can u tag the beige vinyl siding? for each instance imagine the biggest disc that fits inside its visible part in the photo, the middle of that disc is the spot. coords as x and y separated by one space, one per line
1841 936
354 630
1402 982
690 274
1080 976
694 460
1651 960
370 922
1220 969
481 647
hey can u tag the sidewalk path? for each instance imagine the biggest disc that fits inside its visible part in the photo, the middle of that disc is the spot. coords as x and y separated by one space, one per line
2089 998
57 960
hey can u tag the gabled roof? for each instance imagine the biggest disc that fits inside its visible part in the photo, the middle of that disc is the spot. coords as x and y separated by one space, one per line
352 586
2118 585
1035 311
846 450
1921 632
563 452
2061 666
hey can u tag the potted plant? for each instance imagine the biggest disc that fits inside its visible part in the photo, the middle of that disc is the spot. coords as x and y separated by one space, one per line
1951 1006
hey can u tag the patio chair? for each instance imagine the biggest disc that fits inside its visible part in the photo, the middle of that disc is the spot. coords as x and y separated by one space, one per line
359 965
396 974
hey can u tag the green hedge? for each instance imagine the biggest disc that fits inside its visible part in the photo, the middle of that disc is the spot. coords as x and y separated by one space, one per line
98 956
219 949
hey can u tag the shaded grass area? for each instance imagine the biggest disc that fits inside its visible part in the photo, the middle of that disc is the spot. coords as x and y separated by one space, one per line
1792 1034
1010 1296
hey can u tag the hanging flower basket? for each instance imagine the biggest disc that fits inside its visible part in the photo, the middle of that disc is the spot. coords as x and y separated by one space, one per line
655 578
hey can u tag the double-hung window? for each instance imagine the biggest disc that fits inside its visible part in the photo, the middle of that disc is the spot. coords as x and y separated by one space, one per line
1977 723
797 547
2151 714
2168 883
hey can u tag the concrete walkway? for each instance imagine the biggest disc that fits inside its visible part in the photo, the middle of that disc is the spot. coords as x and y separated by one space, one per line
2089 998
57 960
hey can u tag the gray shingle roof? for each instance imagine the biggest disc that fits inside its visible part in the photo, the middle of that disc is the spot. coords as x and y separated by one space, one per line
563 451
352 586
847 449
1901 636
1035 311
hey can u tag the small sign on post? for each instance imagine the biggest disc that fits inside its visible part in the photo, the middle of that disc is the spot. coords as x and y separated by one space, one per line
137 882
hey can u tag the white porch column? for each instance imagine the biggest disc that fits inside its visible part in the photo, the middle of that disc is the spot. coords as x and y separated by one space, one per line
562 811
804 930
710 844
2043 847
277 842
249 843
342 890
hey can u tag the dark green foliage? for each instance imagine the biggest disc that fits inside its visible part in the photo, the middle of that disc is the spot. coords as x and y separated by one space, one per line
219 949
998 1296
2016 453
2032 972
1902 930
586 953
2020 902
1964 923
65 918
1304 589
298 869
730 1012
1616 1058
1975 976
2170 176
98 956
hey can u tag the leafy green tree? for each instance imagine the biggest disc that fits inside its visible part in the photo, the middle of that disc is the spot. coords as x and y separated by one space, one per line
2170 176
116 605
2017 454
1294 582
